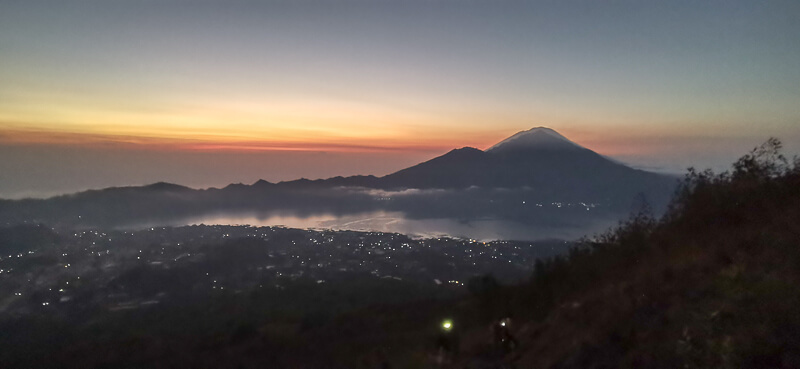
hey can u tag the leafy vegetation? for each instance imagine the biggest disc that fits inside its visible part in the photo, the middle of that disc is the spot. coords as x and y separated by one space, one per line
714 283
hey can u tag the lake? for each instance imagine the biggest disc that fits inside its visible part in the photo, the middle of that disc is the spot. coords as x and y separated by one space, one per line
397 222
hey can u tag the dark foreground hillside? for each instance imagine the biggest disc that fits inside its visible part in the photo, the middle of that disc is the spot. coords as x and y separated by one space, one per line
714 284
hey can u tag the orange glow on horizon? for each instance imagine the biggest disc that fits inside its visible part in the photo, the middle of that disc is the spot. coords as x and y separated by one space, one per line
615 146
245 124
211 143
302 126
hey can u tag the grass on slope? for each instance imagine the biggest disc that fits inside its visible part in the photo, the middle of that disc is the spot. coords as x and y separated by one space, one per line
714 283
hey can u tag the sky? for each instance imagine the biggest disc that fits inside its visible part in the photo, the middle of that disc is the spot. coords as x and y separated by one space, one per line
206 93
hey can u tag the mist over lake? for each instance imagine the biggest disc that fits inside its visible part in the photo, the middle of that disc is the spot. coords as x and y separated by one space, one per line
395 222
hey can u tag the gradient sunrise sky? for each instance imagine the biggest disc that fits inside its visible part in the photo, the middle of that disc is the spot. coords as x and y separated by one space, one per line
206 93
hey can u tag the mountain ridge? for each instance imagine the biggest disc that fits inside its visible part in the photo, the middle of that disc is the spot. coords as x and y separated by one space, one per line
536 167
534 141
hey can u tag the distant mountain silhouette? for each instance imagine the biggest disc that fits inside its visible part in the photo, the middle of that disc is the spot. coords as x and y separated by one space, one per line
539 158
537 166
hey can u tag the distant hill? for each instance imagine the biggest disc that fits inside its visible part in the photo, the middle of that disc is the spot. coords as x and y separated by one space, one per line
540 159
560 184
